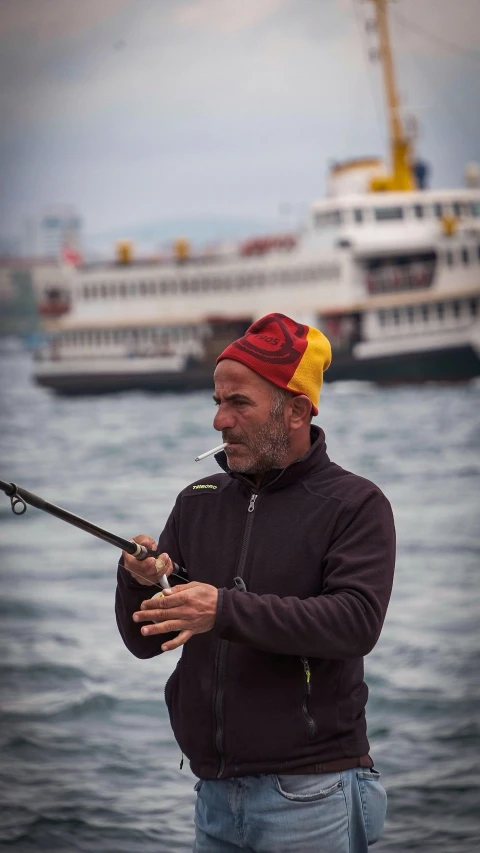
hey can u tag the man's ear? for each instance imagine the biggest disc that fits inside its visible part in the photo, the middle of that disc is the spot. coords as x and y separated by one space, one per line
301 410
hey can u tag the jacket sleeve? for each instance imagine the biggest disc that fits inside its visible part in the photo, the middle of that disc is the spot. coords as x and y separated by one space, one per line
130 594
346 619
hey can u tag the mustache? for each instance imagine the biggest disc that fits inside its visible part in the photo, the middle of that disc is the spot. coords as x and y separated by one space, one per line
229 436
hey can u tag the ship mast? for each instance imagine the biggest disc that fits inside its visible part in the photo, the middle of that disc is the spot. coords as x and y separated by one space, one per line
401 177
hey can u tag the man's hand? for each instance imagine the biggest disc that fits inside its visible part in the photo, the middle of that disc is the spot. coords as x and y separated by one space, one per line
148 571
189 608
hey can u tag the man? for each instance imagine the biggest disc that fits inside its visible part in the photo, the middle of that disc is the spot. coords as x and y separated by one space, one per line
290 565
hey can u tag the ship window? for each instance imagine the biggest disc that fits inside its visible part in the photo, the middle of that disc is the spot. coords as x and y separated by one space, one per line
385 213
419 211
382 317
438 210
476 208
103 291
143 288
457 208
410 314
465 257
450 258
94 291
333 217
122 288
456 308
440 307
396 316
358 214
424 310
473 305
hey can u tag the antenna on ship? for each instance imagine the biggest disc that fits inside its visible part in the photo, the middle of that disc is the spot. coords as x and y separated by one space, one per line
402 177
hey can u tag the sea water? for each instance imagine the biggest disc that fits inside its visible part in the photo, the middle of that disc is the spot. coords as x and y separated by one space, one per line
89 762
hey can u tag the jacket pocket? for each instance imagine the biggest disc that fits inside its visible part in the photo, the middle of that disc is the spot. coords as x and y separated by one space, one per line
307 690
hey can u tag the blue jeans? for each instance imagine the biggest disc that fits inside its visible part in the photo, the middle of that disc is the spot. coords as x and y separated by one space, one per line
323 813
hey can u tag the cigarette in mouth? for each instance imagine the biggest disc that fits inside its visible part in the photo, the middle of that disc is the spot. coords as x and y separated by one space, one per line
211 452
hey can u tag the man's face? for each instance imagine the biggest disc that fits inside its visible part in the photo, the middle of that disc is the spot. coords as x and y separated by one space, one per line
251 420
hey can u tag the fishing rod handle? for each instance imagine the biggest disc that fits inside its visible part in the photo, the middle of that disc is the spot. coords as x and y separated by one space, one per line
142 553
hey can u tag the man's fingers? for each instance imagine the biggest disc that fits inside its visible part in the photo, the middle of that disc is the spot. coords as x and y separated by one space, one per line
176 596
167 602
147 541
165 627
179 640
157 615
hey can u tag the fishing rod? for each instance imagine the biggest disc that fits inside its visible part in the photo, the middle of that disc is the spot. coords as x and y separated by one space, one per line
19 498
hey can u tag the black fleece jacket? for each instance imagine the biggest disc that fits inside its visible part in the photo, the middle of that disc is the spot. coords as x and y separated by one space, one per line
278 682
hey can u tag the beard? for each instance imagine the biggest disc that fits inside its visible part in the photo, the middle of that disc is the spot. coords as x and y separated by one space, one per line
266 449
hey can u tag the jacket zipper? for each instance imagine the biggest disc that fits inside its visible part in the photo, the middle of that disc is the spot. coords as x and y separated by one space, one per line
312 726
220 663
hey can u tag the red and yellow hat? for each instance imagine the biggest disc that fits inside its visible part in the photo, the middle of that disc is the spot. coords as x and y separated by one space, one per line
289 354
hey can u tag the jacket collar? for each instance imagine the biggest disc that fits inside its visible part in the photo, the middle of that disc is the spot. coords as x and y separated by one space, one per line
315 457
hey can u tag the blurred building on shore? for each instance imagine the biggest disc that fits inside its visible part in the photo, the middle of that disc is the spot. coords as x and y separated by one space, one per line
53 232
32 290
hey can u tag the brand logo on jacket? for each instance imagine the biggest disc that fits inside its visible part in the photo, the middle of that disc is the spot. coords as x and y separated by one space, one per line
205 486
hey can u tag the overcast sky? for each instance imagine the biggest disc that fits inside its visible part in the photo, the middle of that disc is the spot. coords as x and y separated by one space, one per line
138 110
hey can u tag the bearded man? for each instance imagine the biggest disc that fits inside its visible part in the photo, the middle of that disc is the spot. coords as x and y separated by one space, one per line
289 561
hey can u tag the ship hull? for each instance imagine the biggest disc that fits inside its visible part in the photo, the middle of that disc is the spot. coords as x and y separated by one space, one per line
191 379
451 364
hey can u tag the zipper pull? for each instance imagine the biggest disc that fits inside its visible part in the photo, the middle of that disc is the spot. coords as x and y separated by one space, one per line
251 505
308 674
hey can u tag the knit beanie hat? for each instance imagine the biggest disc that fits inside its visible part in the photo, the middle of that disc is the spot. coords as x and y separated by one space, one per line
287 353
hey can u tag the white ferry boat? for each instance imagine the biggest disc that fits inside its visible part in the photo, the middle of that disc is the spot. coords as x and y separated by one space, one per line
389 271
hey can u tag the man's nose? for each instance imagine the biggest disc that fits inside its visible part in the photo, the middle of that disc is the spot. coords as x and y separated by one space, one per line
224 418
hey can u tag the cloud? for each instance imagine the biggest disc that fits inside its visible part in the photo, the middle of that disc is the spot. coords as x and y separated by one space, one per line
225 16
46 21
210 104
